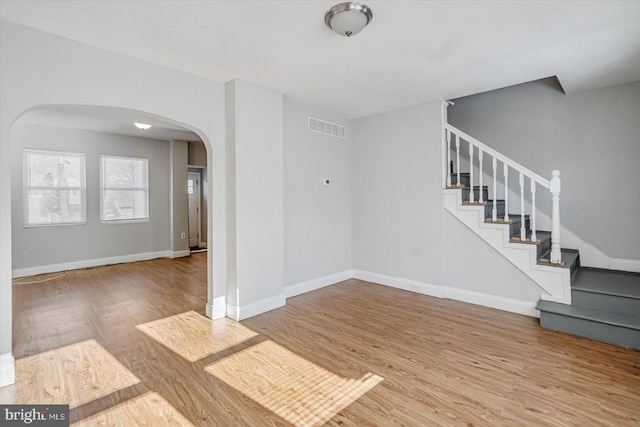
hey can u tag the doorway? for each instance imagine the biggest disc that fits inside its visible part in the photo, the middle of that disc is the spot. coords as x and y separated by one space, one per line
193 190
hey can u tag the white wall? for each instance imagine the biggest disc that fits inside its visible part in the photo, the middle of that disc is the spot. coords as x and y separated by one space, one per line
317 231
41 69
591 137
255 116
42 246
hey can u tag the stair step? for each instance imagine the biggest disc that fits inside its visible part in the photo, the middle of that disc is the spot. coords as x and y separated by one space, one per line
476 192
465 178
608 281
614 291
570 259
614 328
541 235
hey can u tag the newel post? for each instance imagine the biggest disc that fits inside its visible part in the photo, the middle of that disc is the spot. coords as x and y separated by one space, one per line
446 177
554 188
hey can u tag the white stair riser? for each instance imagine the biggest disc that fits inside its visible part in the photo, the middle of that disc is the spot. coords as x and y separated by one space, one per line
554 281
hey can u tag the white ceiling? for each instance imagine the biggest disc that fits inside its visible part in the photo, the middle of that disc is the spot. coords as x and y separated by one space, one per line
413 51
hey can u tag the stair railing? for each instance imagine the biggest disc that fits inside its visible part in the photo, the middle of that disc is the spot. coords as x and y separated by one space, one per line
455 135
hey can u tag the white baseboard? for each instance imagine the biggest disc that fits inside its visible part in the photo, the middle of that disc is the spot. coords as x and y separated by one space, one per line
255 308
526 308
632 265
52 268
179 254
7 369
506 304
203 245
404 284
320 282
218 310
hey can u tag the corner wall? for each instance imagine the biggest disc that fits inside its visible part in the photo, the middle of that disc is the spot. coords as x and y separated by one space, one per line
179 198
317 232
254 137
396 194
402 236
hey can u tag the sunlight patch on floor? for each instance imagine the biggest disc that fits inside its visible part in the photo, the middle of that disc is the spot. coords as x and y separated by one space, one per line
149 409
74 375
289 385
194 336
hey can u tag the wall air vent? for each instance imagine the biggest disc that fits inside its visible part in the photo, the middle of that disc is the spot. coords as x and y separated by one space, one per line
327 128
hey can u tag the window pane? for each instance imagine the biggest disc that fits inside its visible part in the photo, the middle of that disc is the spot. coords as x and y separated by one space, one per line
124 189
54 188
54 206
124 204
52 170
124 173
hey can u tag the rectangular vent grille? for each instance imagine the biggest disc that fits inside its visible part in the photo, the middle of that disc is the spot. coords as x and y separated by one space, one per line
327 128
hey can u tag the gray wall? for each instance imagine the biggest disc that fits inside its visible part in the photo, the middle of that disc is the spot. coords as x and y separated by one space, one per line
396 203
317 232
198 157
197 154
591 137
39 246
179 197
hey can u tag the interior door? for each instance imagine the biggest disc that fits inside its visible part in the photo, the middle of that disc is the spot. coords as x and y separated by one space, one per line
193 189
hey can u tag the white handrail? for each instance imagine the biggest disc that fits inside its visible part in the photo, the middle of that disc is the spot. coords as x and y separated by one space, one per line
552 185
515 165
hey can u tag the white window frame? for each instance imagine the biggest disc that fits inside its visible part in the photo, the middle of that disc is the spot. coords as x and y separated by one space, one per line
103 188
27 187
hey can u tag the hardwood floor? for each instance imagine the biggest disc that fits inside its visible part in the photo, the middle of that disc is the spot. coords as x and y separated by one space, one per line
128 345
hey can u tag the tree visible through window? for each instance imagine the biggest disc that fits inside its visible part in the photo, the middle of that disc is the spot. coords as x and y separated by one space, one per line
124 189
54 187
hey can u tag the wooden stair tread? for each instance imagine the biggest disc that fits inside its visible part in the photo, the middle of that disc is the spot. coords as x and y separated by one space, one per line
527 240
548 261
499 221
569 258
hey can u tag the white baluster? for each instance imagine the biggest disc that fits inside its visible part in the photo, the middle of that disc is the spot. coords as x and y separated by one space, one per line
457 138
448 158
554 188
471 196
480 197
534 236
494 211
506 193
523 230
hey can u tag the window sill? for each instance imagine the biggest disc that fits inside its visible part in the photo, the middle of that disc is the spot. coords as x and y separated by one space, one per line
54 224
124 221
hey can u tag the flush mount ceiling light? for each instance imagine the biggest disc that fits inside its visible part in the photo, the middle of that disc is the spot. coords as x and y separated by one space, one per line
142 126
348 19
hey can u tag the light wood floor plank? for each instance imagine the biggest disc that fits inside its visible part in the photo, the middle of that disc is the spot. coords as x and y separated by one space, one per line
444 363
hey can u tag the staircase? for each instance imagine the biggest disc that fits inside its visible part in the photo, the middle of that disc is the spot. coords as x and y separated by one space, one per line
605 306
598 304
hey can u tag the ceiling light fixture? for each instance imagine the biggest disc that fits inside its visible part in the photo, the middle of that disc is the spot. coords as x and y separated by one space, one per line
348 19
142 126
